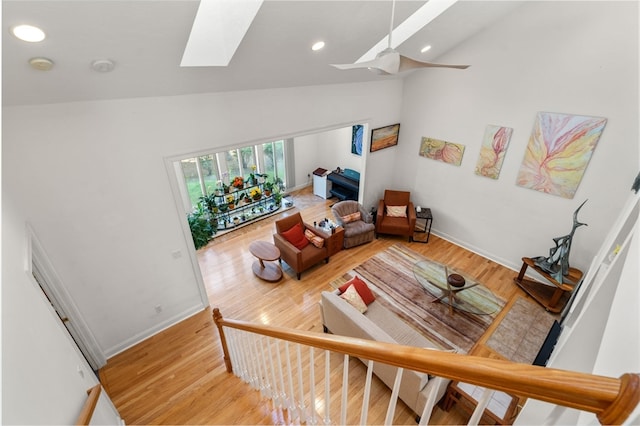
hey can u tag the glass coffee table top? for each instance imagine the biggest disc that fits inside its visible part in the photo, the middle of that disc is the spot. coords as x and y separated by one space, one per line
472 297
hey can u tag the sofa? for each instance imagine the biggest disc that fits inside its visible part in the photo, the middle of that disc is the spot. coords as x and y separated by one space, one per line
380 324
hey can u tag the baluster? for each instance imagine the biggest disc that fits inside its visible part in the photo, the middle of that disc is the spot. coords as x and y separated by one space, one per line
301 407
367 392
291 403
283 392
268 391
312 386
256 351
345 389
242 348
275 395
431 401
232 353
251 358
482 404
394 397
327 386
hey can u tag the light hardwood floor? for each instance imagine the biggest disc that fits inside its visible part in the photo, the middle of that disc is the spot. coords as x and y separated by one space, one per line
178 376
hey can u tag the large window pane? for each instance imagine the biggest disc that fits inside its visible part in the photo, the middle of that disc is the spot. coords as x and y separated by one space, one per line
209 170
233 167
279 160
247 160
192 180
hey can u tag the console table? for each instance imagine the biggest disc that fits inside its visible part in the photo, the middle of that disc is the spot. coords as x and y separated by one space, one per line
553 297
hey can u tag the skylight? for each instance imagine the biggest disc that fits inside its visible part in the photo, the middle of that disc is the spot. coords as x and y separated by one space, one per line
218 29
414 23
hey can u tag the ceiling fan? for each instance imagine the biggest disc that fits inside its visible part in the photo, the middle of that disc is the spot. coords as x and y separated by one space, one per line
389 61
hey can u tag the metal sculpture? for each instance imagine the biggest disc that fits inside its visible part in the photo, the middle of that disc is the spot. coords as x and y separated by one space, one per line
557 264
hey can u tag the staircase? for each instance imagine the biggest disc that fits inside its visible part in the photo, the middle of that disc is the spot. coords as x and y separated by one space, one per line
281 364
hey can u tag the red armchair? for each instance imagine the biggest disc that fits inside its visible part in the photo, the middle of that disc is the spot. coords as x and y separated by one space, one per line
400 218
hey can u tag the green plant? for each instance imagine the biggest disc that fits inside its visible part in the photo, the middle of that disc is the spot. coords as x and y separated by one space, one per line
202 226
209 201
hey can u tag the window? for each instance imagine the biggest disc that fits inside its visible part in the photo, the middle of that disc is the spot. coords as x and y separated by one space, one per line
202 174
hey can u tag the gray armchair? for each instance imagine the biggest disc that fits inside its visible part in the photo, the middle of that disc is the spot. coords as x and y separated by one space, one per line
356 232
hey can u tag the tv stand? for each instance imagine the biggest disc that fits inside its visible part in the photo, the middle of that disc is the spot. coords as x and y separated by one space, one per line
552 296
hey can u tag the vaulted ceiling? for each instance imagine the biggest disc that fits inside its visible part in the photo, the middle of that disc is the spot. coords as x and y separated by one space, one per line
146 39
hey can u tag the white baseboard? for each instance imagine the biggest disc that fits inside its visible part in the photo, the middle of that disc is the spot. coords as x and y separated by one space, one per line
477 250
139 337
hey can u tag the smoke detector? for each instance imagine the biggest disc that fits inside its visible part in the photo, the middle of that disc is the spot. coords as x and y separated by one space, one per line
103 65
41 64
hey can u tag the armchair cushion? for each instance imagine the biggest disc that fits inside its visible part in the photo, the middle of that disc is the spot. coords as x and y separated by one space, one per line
295 235
397 211
352 217
313 238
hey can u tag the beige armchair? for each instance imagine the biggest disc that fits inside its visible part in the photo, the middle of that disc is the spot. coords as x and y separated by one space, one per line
400 219
356 231
298 259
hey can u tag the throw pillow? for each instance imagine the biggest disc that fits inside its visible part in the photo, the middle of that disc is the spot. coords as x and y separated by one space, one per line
295 236
361 287
351 217
397 211
314 239
354 299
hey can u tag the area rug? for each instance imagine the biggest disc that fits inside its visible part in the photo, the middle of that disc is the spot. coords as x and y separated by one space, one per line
521 333
389 274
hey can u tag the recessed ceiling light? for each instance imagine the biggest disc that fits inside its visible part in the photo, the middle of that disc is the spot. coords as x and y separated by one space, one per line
317 46
28 33
424 49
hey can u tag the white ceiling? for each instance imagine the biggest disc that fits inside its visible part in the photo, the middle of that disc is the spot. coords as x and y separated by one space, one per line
146 39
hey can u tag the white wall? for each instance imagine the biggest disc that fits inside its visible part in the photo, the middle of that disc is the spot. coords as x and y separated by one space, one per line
41 366
568 57
91 180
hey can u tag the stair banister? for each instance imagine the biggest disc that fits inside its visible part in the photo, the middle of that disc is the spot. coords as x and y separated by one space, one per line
611 399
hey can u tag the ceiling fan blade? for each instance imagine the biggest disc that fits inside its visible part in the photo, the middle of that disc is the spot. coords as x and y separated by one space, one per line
408 63
387 64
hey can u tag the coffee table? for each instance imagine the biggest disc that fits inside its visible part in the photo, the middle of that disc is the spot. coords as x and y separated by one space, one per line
472 297
264 250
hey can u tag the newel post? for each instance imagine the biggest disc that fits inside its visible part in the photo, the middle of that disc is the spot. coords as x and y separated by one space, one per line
217 318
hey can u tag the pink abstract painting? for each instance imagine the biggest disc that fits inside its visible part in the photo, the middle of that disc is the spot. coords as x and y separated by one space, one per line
558 152
447 152
492 152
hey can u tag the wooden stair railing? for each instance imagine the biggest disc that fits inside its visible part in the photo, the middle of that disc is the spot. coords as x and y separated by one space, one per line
612 400
89 406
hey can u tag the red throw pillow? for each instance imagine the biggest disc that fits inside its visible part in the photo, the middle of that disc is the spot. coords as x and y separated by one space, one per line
295 235
361 287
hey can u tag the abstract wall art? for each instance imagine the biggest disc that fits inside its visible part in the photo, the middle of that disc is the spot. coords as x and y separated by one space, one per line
447 152
493 149
357 134
558 152
384 137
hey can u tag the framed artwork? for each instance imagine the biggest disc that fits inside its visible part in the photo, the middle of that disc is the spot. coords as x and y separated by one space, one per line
357 133
446 152
492 151
559 150
384 137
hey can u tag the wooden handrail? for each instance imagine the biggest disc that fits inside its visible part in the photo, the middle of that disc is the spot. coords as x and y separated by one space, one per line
611 399
89 406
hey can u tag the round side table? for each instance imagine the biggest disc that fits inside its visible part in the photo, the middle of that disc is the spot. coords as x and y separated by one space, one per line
264 250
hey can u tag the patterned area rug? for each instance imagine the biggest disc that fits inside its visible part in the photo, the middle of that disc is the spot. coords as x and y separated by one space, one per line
521 333
389 274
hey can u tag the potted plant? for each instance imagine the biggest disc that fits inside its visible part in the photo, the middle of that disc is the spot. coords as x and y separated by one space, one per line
202 226
238 182
268 188
209 201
